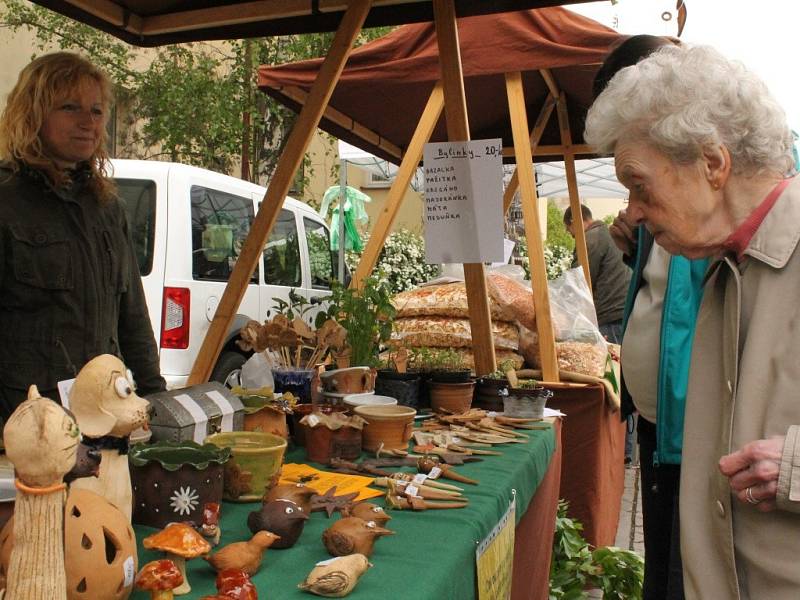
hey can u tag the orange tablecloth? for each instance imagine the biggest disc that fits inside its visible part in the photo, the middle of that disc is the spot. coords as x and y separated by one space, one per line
533 537
592 468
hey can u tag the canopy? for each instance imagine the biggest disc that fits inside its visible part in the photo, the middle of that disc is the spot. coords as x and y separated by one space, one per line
158 22
381 93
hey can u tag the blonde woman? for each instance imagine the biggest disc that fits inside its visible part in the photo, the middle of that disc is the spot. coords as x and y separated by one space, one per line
69 282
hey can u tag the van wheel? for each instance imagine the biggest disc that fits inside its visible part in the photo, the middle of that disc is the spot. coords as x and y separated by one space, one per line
228 369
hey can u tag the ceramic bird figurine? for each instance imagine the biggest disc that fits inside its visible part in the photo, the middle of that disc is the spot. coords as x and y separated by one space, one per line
299 493
350 535
281 517
369 512
245 556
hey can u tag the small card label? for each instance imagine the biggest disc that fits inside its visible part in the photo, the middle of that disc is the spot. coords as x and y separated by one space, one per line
129 570
420 478
412 490
435 472
313 420
63 391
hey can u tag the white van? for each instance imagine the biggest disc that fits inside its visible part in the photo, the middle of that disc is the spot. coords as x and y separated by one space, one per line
188 226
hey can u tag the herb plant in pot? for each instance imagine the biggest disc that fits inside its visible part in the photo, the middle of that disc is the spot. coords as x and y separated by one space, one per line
488 389
451 387
396 381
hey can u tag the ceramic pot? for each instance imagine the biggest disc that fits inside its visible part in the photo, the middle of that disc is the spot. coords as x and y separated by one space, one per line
172 481
255 459
354 380
488 393
526 403
264 418
296 381
323 443
387 425
354 400
301 410
451 397
403 386
460 376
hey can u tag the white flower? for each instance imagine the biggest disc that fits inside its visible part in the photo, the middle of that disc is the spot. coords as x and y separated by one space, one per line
184 500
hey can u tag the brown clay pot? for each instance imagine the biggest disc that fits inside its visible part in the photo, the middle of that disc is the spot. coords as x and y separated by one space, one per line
267 420
453 397
387 425
487 393
301 410
323 444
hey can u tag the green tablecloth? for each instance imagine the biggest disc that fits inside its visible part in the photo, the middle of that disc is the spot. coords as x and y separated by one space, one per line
431 555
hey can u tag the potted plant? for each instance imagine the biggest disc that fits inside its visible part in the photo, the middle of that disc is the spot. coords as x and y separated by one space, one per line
366 315
525 400
395 380
450 384
488 389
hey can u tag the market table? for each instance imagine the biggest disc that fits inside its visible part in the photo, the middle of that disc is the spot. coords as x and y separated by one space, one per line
593 467
432 554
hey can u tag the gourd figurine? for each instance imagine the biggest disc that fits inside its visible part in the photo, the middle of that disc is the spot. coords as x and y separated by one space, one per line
281 517
369 512
350 535
299 493
37 558
108 410
245 556
336 577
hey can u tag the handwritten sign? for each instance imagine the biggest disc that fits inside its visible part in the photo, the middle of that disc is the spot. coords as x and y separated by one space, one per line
495 558
463 202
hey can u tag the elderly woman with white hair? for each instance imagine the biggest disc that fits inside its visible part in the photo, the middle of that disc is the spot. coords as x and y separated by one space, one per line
705 152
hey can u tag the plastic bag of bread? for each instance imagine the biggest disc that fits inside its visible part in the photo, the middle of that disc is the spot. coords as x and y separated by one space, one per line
513 296
577 357
465 356
448 332
445 300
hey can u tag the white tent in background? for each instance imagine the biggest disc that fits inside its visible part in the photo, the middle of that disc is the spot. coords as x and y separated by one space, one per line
378 166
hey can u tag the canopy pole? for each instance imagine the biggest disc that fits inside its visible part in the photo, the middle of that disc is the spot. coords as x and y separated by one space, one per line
572 187
289 162
455 108
541 296
536 136
427 122
342 203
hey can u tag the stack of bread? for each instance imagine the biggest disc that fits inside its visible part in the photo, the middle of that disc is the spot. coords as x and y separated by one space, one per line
436 316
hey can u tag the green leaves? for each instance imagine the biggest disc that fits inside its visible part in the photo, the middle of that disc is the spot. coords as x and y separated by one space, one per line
575 568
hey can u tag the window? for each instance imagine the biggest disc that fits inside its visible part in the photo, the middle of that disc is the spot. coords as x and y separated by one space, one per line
282 253
320 255
138 196
378 180
220 223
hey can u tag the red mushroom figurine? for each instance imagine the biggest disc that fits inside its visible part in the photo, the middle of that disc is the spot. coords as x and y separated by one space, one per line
159 577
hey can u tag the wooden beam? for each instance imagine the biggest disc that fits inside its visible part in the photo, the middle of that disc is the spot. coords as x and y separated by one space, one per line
536 135
427 122
289 162
533 233
110 12
572 186
551 150
342 120
455 109
550 81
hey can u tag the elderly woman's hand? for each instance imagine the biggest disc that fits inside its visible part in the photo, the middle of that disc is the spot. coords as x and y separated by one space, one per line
623 232
753 472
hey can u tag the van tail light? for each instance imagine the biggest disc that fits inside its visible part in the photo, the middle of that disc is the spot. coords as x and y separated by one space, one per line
175 318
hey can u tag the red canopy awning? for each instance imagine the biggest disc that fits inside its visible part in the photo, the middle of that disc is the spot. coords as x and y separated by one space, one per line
386 83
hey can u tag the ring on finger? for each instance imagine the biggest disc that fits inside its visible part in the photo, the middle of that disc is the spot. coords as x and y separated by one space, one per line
748 494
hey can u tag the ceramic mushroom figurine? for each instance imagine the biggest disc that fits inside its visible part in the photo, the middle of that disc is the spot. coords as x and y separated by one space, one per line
37 568
350 535
283 518
180 542
299 493
245 556
159 577
235 584
369 512
108 410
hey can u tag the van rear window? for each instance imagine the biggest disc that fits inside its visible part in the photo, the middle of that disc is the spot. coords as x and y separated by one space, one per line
138 196
282 253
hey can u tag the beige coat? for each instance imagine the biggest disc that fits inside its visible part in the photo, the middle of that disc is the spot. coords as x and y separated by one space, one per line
744 385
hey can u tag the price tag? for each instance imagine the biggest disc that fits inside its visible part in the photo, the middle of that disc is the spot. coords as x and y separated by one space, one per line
129 571
420 478
435 472
64 388
313 420
412 490
401 484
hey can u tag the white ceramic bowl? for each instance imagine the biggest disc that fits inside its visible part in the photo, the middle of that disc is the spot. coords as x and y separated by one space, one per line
369 400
